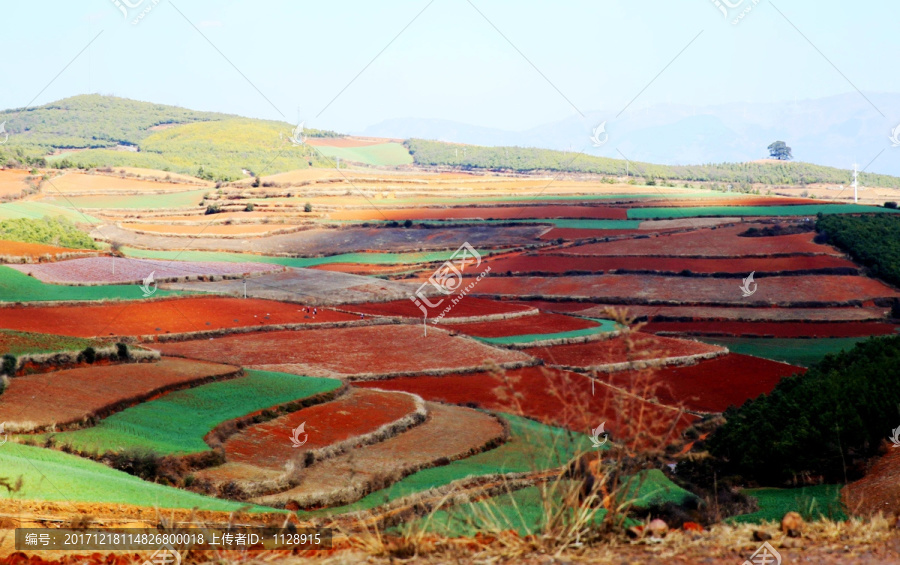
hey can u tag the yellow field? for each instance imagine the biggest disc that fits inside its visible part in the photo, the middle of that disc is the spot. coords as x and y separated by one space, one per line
12 182
99 183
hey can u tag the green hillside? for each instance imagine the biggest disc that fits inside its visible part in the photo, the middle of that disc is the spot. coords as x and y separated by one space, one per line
166 137
383 154
524 159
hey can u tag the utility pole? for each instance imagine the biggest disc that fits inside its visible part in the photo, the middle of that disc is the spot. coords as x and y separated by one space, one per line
855 183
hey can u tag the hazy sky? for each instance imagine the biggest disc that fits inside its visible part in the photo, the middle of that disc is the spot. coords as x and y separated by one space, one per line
450 62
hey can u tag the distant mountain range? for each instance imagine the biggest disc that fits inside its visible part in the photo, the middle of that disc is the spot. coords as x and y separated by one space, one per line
835 131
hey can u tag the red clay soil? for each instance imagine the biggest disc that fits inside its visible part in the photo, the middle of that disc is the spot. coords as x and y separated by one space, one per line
879 490
774 329
571 234
773 290
158 317
541 324
467 307
700 313
362 268
347 351
35 250
750 201
361 411
558 264
484 213
72 395
712 385
552 396
719 242
604 352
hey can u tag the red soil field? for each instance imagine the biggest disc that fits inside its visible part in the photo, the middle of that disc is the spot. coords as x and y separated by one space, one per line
879 490
361 268
35 250
558 264
359 412
540 324
563 307
348 351
698 313
552 396
780 290
604 352
158 317
775 329
578 233
467 307
484 213
740 201
71 395
715 384
720 242
449 433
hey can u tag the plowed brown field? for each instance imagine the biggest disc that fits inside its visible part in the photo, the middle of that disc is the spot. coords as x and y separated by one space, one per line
72 395
540 324
607 351
775 329
363 350
720 242
559 264
465 308
484 213
552 396
359 412
715 384
780 290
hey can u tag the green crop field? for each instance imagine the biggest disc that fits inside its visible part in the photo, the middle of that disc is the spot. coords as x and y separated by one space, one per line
49 475
299 262
37 210
603 327
524 511
134 201
813 503
19 287
532 447
177 422
798 210
383 154
796 351
18 343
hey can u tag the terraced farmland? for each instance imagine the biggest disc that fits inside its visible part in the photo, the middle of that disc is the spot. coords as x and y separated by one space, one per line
284 361
177 423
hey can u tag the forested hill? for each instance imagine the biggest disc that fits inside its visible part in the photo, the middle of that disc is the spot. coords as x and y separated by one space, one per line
527 159
94 130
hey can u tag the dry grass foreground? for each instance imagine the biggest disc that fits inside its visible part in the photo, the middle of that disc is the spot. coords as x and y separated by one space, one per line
856 542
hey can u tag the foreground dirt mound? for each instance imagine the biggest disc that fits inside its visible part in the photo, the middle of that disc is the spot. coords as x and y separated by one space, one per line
879 490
